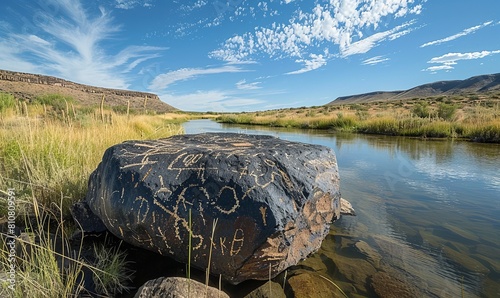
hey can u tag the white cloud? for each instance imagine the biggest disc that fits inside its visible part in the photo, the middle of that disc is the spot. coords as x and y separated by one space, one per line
315 62
438 68
11 59
129 4
69 46
335 23
198 4
212 100
455 36
365 45
162 81
375 60
243 85
39 40
447 60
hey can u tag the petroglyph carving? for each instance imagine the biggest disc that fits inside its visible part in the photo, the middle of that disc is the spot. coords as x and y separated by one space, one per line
274 199
237 243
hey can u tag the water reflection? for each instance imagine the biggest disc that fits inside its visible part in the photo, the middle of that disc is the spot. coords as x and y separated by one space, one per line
428 213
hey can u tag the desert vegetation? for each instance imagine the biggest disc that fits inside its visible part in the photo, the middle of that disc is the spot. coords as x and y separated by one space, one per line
48 149
470 117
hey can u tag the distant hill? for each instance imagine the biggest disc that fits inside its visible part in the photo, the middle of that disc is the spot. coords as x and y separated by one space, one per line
28 86
473 85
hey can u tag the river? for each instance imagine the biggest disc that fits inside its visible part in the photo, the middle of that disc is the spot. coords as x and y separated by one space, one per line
428 213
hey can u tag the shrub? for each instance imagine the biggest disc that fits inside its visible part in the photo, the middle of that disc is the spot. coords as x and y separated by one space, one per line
421 110
6 101
446 111
57 101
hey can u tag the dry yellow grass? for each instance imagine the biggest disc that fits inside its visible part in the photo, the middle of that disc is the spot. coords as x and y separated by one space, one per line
474 118
47 157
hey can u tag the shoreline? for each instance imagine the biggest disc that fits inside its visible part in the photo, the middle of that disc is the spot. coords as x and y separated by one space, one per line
435 118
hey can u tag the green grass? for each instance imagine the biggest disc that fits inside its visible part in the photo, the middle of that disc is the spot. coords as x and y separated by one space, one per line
46 157
7 101
440 117
48 150
114 273
48 266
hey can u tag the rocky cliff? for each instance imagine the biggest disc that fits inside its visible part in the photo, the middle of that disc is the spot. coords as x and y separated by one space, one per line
28 86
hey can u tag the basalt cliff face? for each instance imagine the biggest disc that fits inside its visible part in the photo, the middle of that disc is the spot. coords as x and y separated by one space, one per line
28 86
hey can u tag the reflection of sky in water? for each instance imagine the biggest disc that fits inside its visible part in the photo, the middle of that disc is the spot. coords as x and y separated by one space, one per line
459 169
400 186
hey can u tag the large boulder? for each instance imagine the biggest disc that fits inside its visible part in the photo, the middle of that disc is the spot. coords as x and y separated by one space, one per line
257 203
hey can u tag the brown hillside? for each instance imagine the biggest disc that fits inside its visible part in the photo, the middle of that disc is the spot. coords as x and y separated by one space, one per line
474 85
28 86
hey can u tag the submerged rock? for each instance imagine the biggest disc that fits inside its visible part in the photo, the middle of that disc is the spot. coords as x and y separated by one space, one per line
388 286
306 284
252 202
346 208
173 287
371 254
267 290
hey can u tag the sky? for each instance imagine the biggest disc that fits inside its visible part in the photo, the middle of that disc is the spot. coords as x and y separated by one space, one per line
242 55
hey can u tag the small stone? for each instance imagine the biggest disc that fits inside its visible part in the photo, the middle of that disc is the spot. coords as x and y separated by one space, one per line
267 290
86 219
175 287
346 207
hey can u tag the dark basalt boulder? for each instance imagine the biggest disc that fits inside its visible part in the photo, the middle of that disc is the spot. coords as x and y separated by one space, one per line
257 203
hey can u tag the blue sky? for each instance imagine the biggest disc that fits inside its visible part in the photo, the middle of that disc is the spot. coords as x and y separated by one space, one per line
242 55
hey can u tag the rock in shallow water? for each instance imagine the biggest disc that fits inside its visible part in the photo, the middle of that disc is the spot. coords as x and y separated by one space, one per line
273 200
174 287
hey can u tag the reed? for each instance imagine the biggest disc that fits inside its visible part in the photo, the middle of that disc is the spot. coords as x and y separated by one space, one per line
45 157
47 265
440 117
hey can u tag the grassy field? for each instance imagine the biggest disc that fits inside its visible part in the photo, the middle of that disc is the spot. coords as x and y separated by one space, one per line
48 149
472 117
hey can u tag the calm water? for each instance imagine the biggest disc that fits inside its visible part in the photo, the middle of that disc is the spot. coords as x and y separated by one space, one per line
428 213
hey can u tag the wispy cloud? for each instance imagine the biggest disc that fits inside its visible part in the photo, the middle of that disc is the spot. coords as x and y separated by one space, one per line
162 81
212 100
243 85
336 23
365 45
455 36
447 61
375 60
70 46
315 62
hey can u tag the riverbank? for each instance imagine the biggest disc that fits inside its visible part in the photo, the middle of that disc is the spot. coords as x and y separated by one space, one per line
49 148
459 117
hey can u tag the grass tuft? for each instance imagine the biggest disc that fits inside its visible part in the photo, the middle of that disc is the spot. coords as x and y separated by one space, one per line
113 274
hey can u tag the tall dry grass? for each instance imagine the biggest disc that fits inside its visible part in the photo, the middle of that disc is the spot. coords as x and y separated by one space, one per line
432 118
47 151
46 156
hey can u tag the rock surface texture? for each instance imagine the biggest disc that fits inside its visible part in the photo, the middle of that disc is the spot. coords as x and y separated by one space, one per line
175 287
256 202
